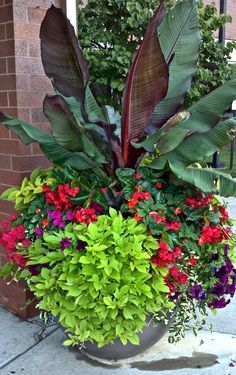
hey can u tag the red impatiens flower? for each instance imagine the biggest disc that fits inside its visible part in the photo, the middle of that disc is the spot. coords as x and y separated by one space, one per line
176 225
224 213
210 235
45 223
192 261
177 211
138 176
138 195
137 217
158 185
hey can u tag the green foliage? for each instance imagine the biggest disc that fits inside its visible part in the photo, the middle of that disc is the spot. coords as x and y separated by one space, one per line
111 30
106 290
30 188
213 64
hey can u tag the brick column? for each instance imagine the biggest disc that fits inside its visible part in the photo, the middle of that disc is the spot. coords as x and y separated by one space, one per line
23 86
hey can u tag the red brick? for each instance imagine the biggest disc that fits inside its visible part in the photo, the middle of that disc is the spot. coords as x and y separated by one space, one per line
10 112
7 48
26 31
6 206
13 178
14 296
36 149
6 14
14 147
3 66
36 15
3 99
2 31
24 163
11 68
3 216
8 1
12 98
7 82
5 162
9 30
4 132
4 187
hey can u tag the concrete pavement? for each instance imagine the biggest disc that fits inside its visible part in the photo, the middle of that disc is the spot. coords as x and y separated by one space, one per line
26 349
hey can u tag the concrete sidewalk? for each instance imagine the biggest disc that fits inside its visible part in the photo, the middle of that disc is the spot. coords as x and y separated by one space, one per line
26 350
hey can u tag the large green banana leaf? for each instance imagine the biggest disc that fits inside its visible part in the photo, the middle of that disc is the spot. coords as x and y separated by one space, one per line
178 35
197 147
62 57
52 150
67 131
206 179
206 113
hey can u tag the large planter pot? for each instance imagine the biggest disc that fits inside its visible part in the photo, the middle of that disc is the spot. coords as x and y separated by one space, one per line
117 351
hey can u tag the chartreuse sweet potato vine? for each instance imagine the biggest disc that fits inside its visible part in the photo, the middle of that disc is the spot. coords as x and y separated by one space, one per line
106 273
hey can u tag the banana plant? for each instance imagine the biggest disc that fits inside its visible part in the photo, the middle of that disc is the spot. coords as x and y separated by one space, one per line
154 128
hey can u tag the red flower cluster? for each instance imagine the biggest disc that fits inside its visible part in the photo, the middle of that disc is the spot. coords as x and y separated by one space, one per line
175 225
85 215
180 277
138 195
60 197
137 217
224 213
165 255
199 201
9 239
210 235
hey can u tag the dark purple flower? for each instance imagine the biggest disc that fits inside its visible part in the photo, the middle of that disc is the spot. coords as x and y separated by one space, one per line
197 292
226 249
81 245
218 289
33 270
54 214
70 216
98 207
215 257
219 303
65 242
59 223
38 231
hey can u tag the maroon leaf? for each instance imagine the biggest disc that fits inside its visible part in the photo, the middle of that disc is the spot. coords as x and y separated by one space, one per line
62 57
146 86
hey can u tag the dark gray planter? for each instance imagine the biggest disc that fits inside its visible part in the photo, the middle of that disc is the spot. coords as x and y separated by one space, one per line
116 351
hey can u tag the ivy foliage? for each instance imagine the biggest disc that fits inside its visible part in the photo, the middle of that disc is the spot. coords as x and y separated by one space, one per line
104 291
111 30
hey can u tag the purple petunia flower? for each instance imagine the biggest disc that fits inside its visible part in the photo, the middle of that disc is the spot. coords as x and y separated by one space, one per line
81 245
197 292
65 242
218 289
38 231
219 303
226 249
70 216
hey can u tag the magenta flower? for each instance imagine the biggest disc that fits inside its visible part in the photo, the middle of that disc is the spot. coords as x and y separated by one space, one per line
38 231
70 216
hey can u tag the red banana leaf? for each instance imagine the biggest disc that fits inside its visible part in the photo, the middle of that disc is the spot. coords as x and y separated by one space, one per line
62 57
146 86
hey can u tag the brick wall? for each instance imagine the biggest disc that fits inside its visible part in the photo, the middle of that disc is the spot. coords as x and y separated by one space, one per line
23 86
231 10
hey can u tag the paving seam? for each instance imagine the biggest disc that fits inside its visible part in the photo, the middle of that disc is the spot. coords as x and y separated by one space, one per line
8 361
